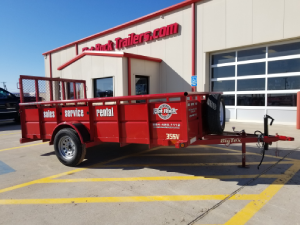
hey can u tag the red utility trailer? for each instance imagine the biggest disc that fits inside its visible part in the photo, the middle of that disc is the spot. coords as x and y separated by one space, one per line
62 115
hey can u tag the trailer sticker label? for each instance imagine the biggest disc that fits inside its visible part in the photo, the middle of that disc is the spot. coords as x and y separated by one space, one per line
105 112
164 111
228 141
167 125
49 114
74 113
173 136
193 111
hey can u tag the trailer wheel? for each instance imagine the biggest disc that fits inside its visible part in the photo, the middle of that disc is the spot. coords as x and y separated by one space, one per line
215 114
68 147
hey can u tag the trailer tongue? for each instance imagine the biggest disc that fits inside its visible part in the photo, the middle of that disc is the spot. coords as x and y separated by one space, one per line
62 115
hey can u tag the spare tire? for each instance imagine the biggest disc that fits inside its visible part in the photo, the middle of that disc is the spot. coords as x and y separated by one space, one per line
215 114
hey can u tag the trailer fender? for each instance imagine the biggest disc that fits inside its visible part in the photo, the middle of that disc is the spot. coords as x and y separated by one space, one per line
81 130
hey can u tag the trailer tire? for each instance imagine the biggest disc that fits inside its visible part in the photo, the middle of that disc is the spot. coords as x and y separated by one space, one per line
215 114
68 147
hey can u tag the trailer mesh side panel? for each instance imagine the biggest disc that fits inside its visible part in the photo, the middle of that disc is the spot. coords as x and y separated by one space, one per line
48 90
44 90
29 93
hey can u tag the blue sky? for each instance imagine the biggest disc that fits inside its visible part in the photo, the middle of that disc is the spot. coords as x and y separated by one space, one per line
29 28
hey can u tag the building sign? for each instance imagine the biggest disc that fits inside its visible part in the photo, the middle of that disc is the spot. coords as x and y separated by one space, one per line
134 39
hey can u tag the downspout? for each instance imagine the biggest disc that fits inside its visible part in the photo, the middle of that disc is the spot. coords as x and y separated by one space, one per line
50 64
76 48
193 43
129 75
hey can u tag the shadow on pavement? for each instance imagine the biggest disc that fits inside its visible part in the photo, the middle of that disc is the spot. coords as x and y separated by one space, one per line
195 161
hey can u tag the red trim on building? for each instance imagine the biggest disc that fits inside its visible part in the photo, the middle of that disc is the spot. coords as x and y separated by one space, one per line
76 48
50 64
109 54
193 43
129 75
142 57
130 23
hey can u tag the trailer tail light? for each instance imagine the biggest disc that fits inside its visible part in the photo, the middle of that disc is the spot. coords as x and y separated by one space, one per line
180 145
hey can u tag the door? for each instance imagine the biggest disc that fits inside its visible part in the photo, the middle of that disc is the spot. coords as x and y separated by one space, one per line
141 85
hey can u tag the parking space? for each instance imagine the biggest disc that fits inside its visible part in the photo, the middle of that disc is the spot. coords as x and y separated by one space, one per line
135 185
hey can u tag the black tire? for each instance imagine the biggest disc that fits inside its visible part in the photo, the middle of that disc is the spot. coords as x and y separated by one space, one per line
215 114
68 147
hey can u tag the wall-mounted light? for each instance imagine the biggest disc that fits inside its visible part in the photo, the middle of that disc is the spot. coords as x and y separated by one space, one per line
45 56
162 16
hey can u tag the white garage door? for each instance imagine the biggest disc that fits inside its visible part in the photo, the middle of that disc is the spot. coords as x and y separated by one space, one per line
258 81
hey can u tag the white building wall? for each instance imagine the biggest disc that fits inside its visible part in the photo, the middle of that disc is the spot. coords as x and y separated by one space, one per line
146 68
174 50
221 25
225 25
291 18
92 67
230 24
61 57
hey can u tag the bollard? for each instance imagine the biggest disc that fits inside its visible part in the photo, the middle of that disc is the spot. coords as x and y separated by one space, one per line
298 111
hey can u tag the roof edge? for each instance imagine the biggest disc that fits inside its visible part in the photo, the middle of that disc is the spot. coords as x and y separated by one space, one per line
109 54
149 16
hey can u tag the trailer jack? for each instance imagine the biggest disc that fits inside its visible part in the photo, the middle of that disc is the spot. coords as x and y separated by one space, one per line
265 145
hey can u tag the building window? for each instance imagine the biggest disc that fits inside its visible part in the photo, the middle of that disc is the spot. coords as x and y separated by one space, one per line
251 100
284 50
251 84
284 83
251 69
103 87
284 66
267 76
228 99
251 54
223 85
282 99
224 71
223 58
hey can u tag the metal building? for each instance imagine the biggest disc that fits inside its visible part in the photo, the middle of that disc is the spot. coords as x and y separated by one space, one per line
248 49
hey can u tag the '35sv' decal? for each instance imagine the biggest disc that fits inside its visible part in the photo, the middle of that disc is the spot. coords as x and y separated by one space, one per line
173 136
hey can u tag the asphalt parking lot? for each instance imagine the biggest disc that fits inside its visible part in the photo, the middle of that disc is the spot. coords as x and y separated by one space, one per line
135 185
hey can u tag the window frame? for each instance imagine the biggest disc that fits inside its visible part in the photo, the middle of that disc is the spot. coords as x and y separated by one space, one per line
265 76
93 82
